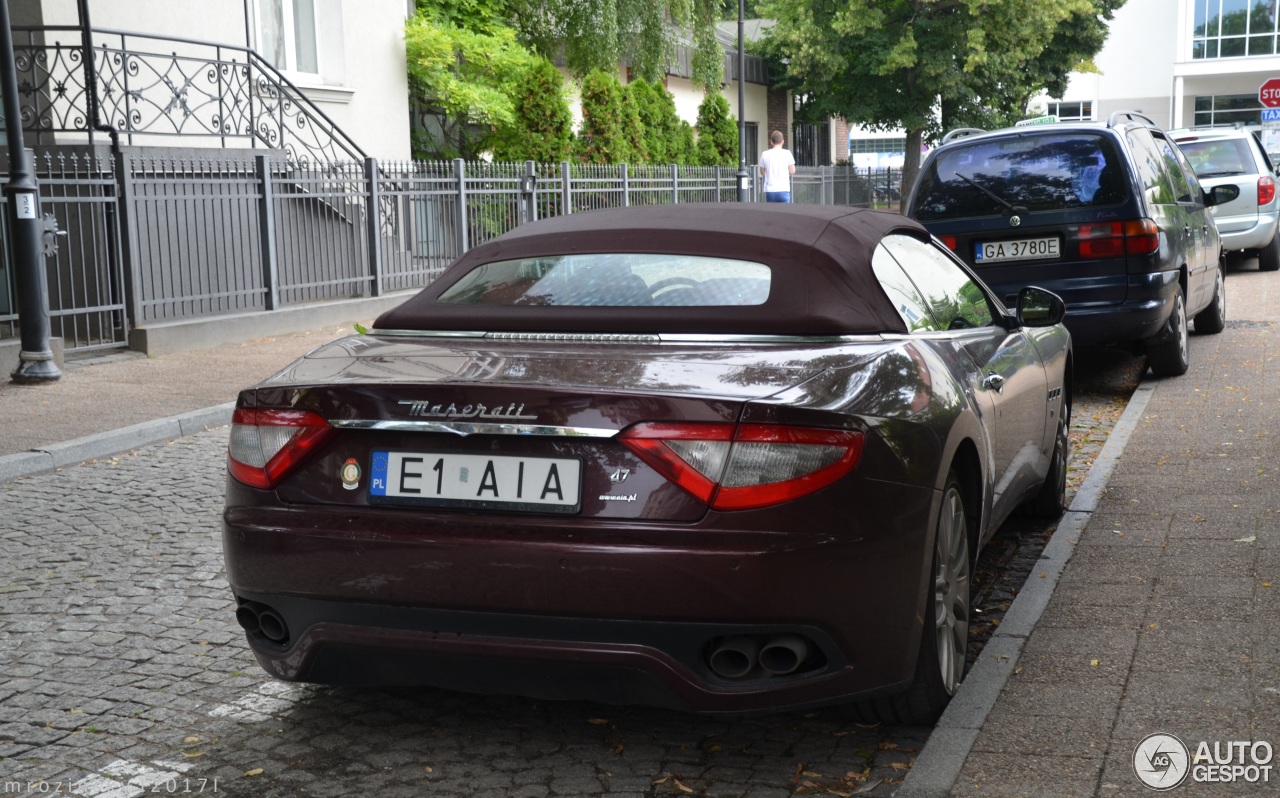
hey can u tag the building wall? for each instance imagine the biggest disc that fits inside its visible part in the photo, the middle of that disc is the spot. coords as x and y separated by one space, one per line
363 83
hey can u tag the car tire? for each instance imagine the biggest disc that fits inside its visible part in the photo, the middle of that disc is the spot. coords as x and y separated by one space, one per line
1213 319
945 636
1051 501
1168 353
1269 256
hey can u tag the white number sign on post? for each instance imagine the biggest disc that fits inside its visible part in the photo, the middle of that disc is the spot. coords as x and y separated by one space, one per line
26 205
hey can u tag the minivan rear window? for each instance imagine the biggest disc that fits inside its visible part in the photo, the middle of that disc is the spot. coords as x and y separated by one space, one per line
1021 173
1219 157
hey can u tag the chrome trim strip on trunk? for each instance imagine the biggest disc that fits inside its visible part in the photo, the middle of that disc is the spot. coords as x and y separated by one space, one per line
638 338
467 428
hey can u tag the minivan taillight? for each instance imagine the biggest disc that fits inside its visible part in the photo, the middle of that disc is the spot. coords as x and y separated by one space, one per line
267 444
1114 239
747 466
1266 190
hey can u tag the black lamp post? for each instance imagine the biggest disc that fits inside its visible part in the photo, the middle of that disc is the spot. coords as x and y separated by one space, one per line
35 359
744 181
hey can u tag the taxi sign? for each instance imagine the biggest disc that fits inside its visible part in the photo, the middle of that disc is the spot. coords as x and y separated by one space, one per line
1039 120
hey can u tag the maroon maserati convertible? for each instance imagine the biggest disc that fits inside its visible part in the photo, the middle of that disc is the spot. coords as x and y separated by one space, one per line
716 457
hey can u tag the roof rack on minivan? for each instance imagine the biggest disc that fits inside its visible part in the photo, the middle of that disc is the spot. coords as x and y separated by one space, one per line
1135 116
960 132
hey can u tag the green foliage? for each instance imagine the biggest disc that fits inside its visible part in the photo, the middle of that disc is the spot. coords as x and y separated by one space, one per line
717 133
686 153
632 127
542 130
884 64
469 76
602 139
600 34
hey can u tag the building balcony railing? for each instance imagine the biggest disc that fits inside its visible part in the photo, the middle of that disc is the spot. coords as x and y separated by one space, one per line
148 86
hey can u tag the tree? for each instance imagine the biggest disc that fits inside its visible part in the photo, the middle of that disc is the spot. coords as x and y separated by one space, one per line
887 64
602 139
600 34
717 132
468 77
542 130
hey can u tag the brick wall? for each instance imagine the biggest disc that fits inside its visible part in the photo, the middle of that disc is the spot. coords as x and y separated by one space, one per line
776 111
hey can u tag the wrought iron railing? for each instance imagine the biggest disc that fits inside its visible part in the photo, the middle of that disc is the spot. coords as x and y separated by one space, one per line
161 86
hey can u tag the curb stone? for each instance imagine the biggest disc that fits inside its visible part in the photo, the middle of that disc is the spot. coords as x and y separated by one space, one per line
938 766
105 444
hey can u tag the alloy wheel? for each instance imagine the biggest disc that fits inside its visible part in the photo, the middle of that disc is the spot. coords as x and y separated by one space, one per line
951 590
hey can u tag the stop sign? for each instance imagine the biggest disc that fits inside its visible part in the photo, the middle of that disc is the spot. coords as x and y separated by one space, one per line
1269 93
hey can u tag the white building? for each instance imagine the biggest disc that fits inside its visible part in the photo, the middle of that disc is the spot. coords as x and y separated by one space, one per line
346 58
1184 63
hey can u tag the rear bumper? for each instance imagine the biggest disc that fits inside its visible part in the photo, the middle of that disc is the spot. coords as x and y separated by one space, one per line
1255 236
605 613
1148 303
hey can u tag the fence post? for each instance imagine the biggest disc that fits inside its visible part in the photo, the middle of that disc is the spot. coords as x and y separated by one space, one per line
267 232
828 185
566 191
460 174
675 184
128 241
373 224
626 187
531 178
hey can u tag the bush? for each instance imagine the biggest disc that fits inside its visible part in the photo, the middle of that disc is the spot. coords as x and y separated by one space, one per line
602 139
717 133
543 126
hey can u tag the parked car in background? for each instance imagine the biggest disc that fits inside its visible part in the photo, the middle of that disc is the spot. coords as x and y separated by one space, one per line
1110 216
1235 157
716 457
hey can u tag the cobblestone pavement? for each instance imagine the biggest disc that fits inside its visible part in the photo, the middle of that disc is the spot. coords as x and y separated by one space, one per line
123 673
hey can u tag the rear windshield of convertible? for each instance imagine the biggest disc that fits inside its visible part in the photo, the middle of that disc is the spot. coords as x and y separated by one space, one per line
1055 171
614 280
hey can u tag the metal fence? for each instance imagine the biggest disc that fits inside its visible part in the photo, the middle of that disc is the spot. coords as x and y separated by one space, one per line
154 240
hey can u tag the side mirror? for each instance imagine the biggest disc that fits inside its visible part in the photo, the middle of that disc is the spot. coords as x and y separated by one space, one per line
1039 308
1220 195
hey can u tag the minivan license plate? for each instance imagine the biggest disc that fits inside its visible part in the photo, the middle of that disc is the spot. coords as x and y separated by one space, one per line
476 481
1018 249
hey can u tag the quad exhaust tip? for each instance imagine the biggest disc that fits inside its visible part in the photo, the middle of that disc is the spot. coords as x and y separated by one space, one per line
762 656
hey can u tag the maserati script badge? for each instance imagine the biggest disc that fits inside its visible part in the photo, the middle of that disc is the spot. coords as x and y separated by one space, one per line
421 407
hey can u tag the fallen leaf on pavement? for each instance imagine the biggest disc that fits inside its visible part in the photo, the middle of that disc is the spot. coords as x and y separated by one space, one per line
254 772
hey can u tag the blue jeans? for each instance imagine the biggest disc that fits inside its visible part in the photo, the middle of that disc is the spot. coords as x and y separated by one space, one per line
777 196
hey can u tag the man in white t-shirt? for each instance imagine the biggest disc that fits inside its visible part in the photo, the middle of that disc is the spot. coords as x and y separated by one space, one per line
776 167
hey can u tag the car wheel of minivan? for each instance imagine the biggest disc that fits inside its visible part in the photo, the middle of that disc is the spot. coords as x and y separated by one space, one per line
1269 256
1167 354
1213 319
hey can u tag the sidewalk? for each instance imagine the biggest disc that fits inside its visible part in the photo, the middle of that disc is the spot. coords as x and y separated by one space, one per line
1163 617
121 400
1167 574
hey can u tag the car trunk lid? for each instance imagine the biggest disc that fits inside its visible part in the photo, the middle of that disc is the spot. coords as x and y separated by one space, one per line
449 424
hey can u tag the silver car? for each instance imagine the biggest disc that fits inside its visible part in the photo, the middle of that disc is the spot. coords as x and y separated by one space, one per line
1235 157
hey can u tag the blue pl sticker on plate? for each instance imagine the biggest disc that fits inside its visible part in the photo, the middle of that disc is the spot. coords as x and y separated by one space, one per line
378 474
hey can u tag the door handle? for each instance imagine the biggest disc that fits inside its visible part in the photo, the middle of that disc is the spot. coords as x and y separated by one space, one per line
993 382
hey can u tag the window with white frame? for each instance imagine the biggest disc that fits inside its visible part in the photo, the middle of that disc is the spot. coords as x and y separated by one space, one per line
1227 110
1233 28
287 34
1072 111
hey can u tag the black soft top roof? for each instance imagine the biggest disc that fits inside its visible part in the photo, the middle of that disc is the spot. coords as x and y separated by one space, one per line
820 255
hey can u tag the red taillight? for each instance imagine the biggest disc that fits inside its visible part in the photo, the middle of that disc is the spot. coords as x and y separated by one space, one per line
1114 239
949 242
756 465
267 444
1266 190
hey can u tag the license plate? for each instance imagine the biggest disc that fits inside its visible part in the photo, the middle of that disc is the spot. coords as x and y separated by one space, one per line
476 481
1018 249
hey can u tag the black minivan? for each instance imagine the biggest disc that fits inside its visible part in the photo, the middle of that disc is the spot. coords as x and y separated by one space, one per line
1108 216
